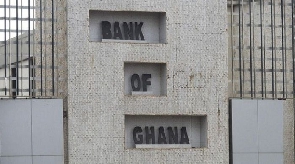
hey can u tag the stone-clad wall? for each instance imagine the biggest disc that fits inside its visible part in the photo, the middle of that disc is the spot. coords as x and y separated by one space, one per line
196 58
289 131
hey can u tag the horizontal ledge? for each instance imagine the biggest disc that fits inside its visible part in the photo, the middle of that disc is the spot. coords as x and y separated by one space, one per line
138 93
162 146
123 41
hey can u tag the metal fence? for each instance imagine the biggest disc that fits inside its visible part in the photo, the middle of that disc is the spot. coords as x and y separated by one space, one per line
261 48
30 48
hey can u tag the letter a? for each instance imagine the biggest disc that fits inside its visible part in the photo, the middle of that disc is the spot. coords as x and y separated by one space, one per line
161 137
184 137
117 31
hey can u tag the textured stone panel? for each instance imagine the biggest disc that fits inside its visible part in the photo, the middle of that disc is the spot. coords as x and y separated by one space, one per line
195 54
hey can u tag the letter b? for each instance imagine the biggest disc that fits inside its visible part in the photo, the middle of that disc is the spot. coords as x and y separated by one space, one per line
106 30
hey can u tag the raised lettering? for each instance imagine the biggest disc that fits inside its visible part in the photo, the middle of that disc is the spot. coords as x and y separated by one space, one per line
173 136
145 83
106 30
138 31
149 135
161 136
137 138
184 137
128 31
135 77
117 31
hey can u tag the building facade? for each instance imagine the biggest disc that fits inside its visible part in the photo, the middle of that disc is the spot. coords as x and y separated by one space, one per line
155 81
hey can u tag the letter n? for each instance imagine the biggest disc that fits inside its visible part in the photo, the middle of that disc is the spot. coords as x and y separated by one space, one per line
173 136
128 31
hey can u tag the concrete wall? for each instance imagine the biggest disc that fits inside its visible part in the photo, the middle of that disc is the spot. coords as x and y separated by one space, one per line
196 59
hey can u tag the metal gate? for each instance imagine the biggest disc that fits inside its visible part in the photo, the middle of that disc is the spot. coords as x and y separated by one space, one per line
32 60
261 48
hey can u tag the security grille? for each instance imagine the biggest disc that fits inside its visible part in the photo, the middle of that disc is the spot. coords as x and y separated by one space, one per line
261 48
30 48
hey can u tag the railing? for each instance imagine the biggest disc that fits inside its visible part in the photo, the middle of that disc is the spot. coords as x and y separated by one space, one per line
31 48
261 48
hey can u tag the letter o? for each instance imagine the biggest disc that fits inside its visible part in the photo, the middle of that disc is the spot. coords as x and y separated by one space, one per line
135 77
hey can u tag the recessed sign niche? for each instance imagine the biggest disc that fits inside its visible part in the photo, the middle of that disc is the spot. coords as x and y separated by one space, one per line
127 26
145 79
165 131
